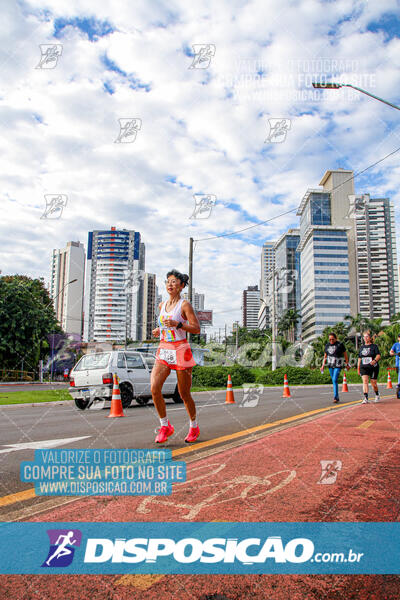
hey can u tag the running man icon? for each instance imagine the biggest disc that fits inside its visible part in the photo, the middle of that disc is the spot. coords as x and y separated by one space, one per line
62 542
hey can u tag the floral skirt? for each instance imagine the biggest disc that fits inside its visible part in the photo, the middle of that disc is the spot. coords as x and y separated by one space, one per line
176 355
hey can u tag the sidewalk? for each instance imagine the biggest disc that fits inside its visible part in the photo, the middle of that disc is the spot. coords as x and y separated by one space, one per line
276 478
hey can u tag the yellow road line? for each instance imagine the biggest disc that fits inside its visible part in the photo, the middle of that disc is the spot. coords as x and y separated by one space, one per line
243 432
28 494
365 425
18 497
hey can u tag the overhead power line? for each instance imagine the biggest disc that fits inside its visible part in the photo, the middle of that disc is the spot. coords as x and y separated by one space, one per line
295 209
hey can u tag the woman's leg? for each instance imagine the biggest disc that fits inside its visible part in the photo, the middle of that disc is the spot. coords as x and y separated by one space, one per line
365 383
374 383
334 376
331 371
159 374
184 385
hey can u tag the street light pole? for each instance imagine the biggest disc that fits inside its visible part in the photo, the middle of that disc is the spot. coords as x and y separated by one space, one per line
273 363
237 336
336 86
190 291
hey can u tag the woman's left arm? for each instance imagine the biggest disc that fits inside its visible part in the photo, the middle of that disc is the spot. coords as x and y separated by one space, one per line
193 326
377 357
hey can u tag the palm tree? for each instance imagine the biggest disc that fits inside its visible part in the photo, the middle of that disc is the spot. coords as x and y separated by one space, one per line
288 322
283 324
374 325
293 317
358 323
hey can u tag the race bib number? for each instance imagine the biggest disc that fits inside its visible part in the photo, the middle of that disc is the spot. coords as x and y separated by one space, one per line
168 355
366 360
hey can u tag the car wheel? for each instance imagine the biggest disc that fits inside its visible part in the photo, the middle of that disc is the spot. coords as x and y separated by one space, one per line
177 397
142 400
81 403
126 395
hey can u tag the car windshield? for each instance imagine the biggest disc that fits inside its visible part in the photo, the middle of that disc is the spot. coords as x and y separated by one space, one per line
93 361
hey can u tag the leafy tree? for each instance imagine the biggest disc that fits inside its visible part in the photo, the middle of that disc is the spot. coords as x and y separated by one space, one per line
385 341
198 339
27 318
246 336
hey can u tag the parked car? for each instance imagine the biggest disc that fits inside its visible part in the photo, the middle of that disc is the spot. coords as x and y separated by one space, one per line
91 379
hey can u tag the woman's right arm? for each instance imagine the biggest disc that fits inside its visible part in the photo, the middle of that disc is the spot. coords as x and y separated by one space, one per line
156 331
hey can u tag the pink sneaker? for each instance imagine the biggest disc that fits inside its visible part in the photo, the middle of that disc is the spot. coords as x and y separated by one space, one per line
164 433
193 434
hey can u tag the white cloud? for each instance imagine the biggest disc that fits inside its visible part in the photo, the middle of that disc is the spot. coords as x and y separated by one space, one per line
191 128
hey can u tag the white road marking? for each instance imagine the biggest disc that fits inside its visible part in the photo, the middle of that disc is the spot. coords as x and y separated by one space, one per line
41 444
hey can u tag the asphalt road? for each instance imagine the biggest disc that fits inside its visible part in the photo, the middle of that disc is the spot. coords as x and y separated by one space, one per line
25 424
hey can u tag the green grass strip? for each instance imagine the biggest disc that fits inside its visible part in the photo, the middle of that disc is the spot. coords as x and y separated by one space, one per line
34 396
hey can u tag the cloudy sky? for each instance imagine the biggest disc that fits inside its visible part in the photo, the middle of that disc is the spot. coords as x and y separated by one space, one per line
202 117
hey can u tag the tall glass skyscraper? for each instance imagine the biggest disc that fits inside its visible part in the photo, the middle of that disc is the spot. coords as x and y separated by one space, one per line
287 279
325 281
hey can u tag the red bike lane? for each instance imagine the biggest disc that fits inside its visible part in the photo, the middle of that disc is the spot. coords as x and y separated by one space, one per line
343 466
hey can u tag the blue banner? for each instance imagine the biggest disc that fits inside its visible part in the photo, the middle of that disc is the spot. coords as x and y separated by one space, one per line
203 548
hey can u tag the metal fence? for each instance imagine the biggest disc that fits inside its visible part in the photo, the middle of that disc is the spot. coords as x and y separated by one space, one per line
16 375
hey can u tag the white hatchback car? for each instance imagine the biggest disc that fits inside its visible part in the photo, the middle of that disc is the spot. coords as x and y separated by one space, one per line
91 379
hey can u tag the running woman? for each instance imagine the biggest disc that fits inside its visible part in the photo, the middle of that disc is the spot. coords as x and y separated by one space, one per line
335 355
368 365
176 318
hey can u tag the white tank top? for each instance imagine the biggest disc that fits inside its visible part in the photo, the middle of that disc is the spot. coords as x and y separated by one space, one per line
171 334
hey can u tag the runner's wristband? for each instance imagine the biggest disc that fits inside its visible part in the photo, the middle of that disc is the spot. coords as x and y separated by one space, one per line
179 326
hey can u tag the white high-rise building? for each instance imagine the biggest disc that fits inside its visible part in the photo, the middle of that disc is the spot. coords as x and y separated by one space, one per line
375 235
251 306
68 264
399 282
267 267
114 286
158 301
149 305
197 299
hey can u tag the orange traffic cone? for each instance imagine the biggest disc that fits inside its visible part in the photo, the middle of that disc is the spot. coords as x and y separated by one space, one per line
344 386
286 390
389 382
116 402
230 398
